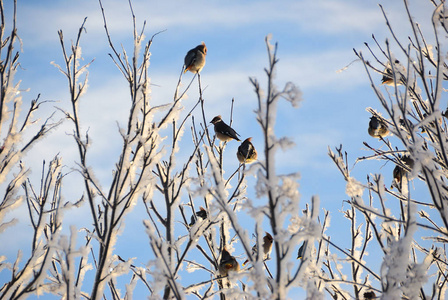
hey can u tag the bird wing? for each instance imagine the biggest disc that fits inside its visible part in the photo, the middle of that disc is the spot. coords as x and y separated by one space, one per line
231 132
225 129
229 265
251 151
190 58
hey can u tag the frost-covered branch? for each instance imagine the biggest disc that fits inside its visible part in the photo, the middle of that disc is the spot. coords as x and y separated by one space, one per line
410 96
17 124
45 212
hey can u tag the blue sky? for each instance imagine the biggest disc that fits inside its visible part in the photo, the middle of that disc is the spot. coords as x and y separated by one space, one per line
315 39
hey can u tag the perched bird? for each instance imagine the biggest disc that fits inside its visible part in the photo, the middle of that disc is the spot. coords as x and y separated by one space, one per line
301 251
399 172
369 295
202 213
388 76
267 247
195 59
223 131
407 126
227 263
431 124
445 113
404 123
246 152
377 128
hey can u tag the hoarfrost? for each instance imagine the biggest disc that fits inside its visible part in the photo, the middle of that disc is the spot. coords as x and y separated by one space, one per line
354 188
293 94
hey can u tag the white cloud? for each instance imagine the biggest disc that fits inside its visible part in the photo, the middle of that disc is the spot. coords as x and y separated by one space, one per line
327 17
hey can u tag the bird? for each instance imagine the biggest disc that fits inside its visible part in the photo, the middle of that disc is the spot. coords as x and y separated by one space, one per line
267 247
223 131
202 213
399 172
195 59
388 76
431 124
227 263
246 152
369 295
377 127
445 113
301 251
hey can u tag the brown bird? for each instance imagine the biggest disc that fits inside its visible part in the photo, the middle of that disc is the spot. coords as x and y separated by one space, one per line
388 76
267 247
202 213
377 128
195 59
431 124
400 172
228 263
223 131
246 152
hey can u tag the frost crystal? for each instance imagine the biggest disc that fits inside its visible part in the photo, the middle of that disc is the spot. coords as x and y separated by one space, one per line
354 188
